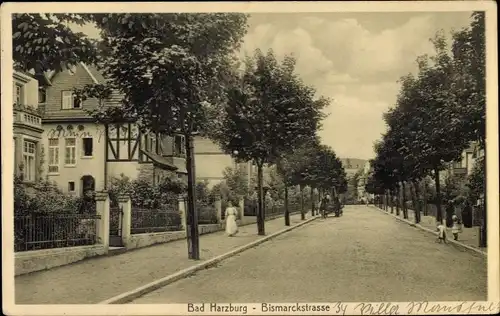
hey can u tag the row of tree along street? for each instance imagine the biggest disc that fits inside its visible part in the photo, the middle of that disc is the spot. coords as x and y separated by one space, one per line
439 113
178 74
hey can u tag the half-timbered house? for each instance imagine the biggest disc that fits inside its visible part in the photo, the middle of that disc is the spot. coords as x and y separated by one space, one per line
84 155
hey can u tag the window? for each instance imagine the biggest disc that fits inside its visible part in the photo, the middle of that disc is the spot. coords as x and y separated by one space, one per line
88 147
53 155
179 146
71 186
69 101
18 93
29 151
70 147
42 95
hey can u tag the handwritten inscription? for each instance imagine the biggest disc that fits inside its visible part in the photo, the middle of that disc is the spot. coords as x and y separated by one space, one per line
460 308
62 133
377 309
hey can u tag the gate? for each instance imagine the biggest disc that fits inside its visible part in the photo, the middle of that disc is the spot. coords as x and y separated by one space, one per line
115 226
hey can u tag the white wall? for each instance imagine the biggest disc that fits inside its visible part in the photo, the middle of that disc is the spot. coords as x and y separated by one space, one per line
93 166
30 89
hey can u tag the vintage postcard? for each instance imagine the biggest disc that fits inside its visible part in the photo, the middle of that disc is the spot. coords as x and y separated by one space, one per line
250 158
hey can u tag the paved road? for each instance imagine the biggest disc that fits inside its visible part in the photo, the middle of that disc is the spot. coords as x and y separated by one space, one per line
97 279
362 256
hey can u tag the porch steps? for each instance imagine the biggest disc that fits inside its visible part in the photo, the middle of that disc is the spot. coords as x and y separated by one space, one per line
113 251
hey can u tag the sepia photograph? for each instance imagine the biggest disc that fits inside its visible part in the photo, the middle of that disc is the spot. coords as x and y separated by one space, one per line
234 158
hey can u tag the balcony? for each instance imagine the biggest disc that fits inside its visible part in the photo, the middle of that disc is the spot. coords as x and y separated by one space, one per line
27 116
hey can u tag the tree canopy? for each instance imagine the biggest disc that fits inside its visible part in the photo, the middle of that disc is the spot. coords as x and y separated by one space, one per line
44 42
438 112
269 110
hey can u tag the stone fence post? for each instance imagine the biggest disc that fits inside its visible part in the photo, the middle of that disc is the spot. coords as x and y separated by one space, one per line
218 208
102 209
182 211
125 205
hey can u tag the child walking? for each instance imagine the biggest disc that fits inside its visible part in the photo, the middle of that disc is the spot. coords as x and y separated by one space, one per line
457 227
442 233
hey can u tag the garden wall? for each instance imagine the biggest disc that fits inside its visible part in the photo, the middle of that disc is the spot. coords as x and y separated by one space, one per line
143 240
37 260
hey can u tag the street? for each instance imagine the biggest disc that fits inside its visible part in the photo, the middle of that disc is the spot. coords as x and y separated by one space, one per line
362 256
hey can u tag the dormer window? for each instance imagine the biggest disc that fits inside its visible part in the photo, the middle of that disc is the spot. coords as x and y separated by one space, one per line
69 101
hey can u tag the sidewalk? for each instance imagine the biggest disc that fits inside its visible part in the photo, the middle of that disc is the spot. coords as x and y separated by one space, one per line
97 279
469 236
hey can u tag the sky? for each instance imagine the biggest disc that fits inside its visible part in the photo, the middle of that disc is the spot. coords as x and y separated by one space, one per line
355 59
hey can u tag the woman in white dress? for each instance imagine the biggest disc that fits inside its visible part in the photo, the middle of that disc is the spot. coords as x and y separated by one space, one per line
231 226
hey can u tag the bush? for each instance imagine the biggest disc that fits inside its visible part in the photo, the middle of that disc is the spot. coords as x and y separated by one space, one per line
45 198
145 195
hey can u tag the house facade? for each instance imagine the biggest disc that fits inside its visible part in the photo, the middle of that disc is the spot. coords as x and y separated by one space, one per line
28 90
467 162
84 155
211 162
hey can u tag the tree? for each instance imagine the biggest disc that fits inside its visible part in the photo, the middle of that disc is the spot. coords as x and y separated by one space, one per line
43 42
171 69
237 182
268 110
469 59
383 172
302 168
426 128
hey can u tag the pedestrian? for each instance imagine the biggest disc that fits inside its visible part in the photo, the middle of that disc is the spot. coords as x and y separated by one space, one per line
324 205
457 227
442 232
231 226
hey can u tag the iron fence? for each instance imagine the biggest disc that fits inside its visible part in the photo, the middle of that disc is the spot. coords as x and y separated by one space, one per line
274 210
251 209
145 220
36 232
207 214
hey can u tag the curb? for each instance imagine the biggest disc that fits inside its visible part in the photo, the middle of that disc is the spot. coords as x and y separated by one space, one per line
451 241
150 287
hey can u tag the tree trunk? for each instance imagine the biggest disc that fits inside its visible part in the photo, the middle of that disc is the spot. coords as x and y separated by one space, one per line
287 211
415 202
391 201
312 201
260 214
192 211
439 214
397 193
385 201
302 213
424 197
405 208
483 236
